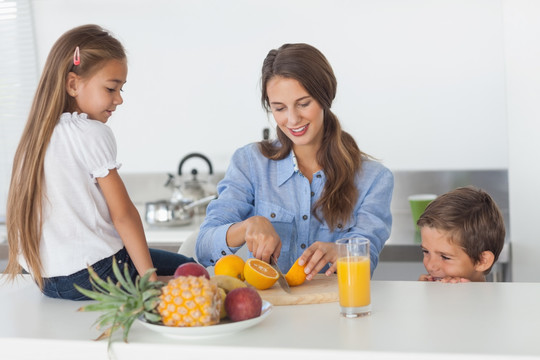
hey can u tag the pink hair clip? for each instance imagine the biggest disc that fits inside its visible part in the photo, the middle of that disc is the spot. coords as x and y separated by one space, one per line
76 57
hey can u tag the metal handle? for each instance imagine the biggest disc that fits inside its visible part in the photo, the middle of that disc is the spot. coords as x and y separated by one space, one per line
199 155
200 202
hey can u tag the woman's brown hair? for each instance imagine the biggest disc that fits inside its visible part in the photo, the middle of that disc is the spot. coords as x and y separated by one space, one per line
26 192
339 156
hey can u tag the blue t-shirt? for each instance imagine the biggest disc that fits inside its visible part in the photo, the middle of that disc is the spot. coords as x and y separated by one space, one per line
255 185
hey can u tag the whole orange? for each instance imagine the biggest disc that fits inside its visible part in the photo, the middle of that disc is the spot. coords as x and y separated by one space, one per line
231 265
296 275
260 274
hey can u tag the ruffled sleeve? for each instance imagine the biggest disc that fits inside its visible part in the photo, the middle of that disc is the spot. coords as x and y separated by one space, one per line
100 150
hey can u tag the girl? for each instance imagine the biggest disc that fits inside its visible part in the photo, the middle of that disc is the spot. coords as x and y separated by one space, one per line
67 205
295 196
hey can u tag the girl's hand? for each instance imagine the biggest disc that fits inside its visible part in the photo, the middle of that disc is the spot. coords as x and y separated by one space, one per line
261 238
426 277
317 256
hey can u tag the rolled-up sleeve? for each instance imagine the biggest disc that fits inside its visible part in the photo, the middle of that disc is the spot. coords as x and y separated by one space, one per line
234 204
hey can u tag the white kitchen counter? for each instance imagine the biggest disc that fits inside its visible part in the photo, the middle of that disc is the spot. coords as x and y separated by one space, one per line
410 320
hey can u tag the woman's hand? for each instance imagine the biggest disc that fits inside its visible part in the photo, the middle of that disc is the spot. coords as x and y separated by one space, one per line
261 238
317 256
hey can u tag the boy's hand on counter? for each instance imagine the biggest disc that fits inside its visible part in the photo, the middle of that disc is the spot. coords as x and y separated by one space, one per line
446 279
454 280
426 277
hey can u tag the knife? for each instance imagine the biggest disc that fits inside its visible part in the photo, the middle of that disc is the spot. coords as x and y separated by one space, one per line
281 280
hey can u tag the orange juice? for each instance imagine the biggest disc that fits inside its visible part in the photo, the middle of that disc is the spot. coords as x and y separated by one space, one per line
353 279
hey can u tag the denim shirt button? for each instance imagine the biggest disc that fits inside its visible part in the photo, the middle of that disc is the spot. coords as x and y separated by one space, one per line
312 193
223 252
340 226
318 176
305 217
303 246
273 215
212 261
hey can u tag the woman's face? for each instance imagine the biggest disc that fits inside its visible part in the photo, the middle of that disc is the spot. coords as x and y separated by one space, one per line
296 112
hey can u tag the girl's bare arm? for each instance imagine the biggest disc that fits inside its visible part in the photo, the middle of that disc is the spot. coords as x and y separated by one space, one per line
126 220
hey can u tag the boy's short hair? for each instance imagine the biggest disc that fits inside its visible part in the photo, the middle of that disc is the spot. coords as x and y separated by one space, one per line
471 218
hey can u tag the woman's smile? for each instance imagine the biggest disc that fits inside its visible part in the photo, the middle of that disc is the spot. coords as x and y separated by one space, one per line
299 131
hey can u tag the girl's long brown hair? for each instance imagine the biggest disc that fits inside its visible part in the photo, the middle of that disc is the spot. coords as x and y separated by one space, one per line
339 155
26 193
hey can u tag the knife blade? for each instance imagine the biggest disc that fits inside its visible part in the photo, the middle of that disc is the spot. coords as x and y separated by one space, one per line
281 280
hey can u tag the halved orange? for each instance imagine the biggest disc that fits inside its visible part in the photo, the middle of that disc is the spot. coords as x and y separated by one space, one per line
260 274
296 275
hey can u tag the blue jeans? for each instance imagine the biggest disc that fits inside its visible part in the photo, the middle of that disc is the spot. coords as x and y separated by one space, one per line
61 287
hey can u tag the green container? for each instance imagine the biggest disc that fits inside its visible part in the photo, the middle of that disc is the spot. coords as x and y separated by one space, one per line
418 203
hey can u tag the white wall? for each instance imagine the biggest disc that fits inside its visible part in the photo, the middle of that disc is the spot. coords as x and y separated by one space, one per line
421 82
423 85
522 31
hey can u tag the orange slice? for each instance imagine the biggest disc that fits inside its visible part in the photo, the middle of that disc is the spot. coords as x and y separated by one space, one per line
259 274
232 265
296 275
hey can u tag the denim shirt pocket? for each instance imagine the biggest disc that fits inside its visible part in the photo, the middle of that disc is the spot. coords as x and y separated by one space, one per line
282 220
326 234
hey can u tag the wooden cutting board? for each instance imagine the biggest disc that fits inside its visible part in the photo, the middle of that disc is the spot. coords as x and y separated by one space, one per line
321 289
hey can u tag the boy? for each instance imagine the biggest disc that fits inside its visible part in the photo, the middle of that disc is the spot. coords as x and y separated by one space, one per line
462 236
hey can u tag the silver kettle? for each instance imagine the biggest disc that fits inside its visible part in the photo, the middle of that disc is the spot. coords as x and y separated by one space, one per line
191 189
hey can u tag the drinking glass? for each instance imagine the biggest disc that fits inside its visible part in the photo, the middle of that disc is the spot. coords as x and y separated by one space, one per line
353 272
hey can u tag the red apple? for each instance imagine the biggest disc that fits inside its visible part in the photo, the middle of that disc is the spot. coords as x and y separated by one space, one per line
191 269
243 303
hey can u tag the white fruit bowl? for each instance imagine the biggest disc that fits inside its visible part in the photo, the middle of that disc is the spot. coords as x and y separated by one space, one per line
223 328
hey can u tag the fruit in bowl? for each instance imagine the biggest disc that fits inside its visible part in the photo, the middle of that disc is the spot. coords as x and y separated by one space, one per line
243 303
231 265
191 269
182 301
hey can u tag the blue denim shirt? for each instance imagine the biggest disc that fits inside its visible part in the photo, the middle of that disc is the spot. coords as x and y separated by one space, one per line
255 185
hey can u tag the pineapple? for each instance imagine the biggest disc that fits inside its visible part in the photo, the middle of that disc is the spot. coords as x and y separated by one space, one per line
184 301
189 301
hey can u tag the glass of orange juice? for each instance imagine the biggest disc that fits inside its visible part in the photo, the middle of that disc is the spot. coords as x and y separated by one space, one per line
353 272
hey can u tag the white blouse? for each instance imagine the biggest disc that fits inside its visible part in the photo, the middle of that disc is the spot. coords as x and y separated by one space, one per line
77 227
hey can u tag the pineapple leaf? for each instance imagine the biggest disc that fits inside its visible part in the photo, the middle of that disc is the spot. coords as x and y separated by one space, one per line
102 306
106 319
95 295
131 286
121 279
122 302
96 281
99 296
104 335
143 282
151 305
151 317
150 293
116 289
127 327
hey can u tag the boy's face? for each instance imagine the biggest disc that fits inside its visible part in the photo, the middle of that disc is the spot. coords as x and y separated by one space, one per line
444 258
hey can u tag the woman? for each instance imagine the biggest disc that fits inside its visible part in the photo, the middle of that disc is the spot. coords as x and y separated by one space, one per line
295 196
